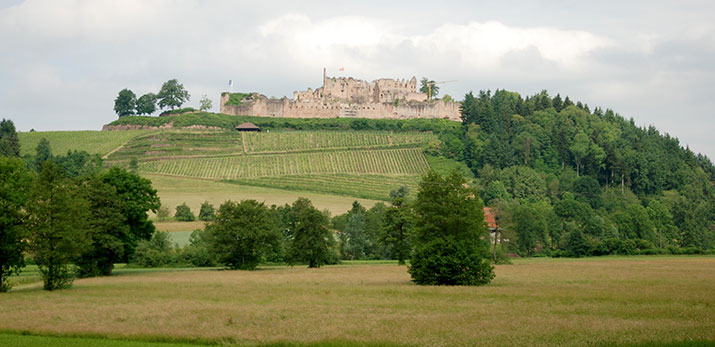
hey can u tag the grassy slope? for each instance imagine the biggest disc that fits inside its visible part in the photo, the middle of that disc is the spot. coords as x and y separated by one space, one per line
174 191
363 164
608 301
93 142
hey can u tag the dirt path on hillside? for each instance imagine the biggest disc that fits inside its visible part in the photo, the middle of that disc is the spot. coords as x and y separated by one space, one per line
106 156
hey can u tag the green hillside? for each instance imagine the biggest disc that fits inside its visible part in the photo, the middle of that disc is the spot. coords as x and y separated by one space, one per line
366 164
90 141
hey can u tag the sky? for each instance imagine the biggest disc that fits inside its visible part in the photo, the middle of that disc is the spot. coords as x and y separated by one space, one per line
62 63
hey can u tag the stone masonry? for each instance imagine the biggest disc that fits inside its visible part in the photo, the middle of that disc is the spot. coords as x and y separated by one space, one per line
346 97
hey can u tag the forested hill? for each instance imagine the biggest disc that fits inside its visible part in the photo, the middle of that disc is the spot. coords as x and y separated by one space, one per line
593 171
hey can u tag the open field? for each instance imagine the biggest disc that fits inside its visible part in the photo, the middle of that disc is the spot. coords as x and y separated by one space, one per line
606 301
365 186
174 191
93 142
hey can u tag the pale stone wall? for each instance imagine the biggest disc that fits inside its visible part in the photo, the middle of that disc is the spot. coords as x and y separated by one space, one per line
349 98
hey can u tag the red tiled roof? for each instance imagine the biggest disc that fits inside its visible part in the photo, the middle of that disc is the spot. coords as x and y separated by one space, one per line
490 219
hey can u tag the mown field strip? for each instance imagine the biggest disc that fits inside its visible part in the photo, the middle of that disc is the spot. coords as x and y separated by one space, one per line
365 186
403 161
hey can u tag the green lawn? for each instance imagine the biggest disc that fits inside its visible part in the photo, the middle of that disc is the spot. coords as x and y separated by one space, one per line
656 300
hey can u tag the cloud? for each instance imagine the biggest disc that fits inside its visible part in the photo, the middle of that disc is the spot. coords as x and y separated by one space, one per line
361 42
63 62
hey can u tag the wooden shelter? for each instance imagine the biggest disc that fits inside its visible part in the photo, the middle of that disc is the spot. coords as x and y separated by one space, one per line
248 127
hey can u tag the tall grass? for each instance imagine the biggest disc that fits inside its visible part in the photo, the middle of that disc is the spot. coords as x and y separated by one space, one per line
603 301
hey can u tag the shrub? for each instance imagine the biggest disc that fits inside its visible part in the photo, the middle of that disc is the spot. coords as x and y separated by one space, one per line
197 253
163 213
448 262
207 212
156 252
184 214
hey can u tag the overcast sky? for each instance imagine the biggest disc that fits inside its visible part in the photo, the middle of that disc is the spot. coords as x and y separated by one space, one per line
62 63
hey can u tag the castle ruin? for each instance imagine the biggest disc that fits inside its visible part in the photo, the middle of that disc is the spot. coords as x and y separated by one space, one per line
346 97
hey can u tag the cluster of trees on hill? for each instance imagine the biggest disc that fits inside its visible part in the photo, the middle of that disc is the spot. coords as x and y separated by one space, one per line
560 175
69 214
172 95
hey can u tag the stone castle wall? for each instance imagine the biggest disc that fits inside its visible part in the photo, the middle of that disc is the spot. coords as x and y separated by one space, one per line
348 98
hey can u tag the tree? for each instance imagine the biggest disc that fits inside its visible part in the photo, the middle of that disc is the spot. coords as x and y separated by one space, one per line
137 198
451 238
107 228
207 212
43 153
397 229
429 87
146 104
9 142
312 240
206 103
354 237
577 245
57 224
184 214
241 233
125 103
172 94
530 226
14 181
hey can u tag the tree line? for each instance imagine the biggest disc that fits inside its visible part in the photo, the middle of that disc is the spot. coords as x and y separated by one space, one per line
171 95
68 213
74 218
441 233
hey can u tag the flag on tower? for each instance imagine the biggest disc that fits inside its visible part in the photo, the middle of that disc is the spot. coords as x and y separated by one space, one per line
342 69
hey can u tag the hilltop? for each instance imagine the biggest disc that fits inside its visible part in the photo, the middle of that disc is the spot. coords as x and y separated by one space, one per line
541 161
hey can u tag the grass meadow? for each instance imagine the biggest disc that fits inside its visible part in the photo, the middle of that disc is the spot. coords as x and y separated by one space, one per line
93 142
594 301
174 191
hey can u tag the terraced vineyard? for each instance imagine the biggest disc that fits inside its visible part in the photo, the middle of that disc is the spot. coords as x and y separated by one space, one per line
354 163
407 161
187 143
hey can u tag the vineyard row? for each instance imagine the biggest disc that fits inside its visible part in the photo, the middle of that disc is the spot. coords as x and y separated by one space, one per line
407 161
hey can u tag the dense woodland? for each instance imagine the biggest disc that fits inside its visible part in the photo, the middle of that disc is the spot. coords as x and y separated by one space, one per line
566 180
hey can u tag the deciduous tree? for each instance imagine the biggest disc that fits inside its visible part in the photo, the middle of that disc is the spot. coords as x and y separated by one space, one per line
57 224
172 94
241 233
137 198
14 182
397 230
451 239
146 104
312 241
125 103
